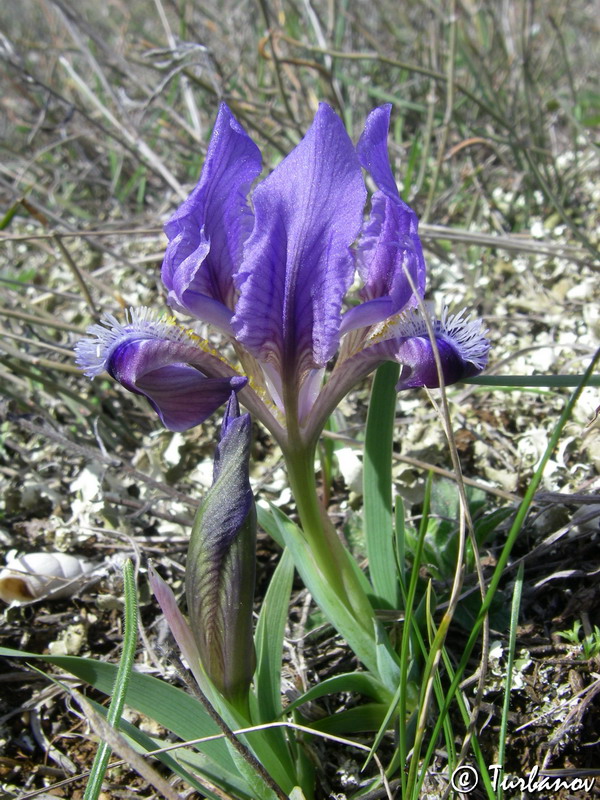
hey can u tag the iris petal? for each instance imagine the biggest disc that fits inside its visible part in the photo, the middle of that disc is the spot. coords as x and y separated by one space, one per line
389 246
184 382
206 234
297 265
461 343
182 396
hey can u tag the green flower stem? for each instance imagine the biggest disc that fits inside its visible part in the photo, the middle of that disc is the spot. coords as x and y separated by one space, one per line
328 551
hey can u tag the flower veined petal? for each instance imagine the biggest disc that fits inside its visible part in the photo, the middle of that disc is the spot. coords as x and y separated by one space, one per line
175 370
389 245
297 264
373 151
461 343
207 232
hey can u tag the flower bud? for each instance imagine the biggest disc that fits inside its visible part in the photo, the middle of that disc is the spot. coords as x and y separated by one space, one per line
220 569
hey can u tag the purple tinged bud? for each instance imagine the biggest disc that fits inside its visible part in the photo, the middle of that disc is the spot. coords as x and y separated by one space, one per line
220 569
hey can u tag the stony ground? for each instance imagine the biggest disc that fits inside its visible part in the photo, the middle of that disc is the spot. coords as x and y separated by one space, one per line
85 469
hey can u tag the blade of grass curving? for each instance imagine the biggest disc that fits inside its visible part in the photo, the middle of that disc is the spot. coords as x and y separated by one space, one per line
357 682
117 703
268 640
504 556
512 643
377 486
532 381
399 701
287 534
363 718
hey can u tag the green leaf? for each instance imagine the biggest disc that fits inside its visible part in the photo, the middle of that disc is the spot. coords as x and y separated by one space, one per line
400 543
532 381
287 533
169 706
94 784
377 487
180 713
145 744
366 718
270 629
356 682
8 217
268 639
388 667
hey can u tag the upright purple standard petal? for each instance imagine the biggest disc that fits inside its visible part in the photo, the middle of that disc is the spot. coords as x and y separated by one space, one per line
372 150
165 363
297 264
207 232
389 246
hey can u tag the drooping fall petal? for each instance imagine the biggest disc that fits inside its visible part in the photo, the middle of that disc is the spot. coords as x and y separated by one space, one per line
183 379
461 343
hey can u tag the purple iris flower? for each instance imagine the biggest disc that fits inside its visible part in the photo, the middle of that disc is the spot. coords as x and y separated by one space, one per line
273 276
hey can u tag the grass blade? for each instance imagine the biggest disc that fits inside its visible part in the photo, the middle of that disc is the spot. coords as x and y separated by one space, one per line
512 641
117 703
377 487
504 556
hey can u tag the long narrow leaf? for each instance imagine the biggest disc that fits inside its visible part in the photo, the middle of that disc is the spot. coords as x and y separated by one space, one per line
117 703
377 487
286 532
268 638
357 682
175 710
169 706
146 744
